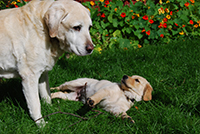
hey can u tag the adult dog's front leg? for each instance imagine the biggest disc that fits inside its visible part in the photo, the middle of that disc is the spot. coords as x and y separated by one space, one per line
30 89
97 97
44 87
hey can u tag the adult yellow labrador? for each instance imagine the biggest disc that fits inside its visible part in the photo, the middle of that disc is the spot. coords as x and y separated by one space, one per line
33 37
112 97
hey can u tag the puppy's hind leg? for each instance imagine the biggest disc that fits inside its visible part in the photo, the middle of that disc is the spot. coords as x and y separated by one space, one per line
70 85
65 96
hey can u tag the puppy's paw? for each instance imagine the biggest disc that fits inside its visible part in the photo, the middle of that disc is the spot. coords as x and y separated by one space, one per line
90 102
131 120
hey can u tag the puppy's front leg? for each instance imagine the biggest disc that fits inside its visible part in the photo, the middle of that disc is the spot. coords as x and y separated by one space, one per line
44 88
125 116
97 97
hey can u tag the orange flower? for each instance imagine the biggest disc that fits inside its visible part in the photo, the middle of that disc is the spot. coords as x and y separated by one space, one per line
167 10
196 25
133 17
148 32
125 48
160 26
183 25
139 46
187 4
92 3
115 9
136 106
192 1
191 22
143 30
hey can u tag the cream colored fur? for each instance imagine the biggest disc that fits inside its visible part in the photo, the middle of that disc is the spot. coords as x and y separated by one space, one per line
33 37
112 97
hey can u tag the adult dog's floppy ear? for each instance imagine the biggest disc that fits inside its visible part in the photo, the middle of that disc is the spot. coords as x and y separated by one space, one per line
53 18
147 93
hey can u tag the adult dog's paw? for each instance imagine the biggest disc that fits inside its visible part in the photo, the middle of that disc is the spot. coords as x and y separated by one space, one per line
90 102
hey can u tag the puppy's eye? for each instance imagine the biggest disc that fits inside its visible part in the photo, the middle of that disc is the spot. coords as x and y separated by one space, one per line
77 28
137 80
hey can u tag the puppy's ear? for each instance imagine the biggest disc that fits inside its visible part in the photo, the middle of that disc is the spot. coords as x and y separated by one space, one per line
147 93
53 17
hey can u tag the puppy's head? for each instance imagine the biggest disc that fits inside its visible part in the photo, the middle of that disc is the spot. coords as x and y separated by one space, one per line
136 87
69 22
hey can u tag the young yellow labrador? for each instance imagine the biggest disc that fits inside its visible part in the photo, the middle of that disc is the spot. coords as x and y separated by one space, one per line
112 97
34 36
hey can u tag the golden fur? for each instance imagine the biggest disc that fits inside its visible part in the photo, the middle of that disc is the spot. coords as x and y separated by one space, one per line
112 97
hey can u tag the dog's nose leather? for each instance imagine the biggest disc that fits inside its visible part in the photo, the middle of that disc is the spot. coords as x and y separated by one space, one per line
89 48
125 77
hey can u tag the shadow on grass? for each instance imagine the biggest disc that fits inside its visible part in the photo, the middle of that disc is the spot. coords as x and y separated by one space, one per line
12 90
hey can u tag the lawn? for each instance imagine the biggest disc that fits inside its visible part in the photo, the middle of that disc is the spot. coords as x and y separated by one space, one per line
173 71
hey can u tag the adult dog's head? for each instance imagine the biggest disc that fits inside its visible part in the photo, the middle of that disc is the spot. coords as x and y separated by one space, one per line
136 87
69 22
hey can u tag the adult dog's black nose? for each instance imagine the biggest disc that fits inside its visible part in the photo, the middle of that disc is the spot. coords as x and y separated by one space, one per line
125 77
89 48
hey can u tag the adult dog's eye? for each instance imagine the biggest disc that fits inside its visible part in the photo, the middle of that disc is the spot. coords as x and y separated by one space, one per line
77 28
137 80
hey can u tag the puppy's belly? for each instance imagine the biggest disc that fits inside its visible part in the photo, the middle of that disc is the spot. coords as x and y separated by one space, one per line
114 107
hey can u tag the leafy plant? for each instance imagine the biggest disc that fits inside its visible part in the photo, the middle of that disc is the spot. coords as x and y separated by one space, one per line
116 24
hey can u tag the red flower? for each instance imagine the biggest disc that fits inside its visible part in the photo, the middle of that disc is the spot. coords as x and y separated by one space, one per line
187 4
183 25
105 6
176 24
123 15
165 25
151 21
107 2
16 6
171 12
165 19
145 17
148 32
103 15
191 22
162 35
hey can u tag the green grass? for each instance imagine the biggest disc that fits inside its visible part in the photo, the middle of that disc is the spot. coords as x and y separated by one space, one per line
173 71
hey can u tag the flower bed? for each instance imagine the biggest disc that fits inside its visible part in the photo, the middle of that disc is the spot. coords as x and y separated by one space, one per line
116 24
137 23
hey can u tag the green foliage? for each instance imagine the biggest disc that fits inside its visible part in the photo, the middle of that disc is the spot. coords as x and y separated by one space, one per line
173 70
4 4
119 25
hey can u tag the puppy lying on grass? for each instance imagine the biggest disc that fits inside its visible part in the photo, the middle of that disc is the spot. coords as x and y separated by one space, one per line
112 97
